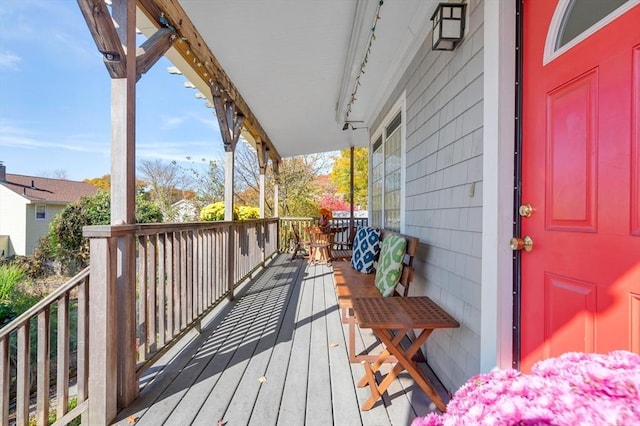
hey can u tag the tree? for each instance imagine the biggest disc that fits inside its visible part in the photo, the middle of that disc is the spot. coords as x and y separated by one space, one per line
55 174
104 183
340 175
333 203
69 246
165 183
208 184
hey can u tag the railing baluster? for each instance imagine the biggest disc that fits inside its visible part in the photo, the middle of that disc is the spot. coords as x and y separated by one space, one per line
62 369
151 294
23 374
4 380
83 344
142 300
170 253
44 367
183 280
162 286
189 282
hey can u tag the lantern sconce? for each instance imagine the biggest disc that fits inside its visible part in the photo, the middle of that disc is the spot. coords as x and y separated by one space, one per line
448 25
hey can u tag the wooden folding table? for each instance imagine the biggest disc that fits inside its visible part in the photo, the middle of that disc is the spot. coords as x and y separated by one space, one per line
402 314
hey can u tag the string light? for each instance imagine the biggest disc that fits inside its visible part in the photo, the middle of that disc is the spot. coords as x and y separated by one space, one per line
363 64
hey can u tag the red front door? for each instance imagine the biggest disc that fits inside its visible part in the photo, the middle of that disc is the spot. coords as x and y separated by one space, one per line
581 175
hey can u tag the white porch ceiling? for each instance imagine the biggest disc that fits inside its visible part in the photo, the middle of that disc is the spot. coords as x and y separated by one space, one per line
295 61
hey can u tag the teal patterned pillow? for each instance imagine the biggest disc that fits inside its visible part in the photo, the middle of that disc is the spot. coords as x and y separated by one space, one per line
390 264
366 247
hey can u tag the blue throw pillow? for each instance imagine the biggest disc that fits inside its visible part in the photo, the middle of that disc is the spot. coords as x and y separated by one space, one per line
366 246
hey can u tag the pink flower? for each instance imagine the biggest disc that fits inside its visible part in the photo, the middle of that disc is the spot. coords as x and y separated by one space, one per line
575 388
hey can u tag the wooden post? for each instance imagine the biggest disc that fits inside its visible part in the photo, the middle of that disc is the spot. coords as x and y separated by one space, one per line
352 201
123 176
261 149
228 184
102 320
276 188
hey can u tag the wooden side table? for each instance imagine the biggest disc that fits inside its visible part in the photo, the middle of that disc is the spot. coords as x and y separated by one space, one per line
402 314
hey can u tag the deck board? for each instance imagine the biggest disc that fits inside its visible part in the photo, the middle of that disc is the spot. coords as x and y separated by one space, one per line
276 355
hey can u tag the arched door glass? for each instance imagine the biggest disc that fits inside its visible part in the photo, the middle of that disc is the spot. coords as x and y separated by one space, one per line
582 15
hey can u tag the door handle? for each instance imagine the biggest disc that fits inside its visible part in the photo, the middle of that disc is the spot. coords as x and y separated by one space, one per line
525 243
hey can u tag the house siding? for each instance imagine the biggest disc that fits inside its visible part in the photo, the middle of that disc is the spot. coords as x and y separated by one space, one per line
443 190
13 220
36 229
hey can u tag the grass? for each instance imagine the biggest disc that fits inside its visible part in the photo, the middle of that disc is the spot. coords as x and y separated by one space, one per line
10 276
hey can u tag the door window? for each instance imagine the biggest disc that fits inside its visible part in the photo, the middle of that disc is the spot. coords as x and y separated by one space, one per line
575 20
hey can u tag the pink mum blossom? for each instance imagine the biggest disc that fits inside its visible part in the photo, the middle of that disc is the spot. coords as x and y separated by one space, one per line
573 389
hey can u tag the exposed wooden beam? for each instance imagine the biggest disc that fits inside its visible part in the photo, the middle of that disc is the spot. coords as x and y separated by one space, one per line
105 35
153 49
195 51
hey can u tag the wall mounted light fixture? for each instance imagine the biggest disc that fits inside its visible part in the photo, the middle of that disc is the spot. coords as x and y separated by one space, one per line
448 25
348 124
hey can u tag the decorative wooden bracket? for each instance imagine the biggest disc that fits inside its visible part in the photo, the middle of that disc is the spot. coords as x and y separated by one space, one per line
153 49
229 118
263 155
105 35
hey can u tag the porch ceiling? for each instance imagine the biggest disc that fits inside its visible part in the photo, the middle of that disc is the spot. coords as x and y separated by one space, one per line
295 62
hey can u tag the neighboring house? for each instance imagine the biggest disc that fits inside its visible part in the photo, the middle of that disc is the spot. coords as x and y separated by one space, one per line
184 211
27 206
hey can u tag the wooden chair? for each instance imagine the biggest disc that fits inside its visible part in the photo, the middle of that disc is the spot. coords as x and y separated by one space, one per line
346 244
300 244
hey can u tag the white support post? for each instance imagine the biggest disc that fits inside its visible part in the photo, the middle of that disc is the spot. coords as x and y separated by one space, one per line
276 189
228 185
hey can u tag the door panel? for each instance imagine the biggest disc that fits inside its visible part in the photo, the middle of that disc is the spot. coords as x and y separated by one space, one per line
580 172
572 192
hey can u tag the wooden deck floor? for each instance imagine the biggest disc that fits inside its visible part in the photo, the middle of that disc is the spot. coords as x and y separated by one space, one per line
274 356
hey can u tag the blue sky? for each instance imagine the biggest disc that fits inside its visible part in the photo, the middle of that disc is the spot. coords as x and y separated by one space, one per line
55 99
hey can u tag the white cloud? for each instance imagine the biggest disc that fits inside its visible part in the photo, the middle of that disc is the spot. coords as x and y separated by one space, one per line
13 136
9 60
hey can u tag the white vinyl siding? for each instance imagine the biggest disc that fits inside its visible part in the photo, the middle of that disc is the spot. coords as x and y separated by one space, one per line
441 195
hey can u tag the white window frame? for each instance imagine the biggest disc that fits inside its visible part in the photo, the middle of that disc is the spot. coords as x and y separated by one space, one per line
44 212
400 106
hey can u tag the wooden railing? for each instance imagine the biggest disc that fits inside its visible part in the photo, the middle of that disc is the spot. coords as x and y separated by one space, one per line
146 287
287 239
28 376
182 272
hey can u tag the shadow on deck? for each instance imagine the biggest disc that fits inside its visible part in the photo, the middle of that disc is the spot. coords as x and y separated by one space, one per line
276 355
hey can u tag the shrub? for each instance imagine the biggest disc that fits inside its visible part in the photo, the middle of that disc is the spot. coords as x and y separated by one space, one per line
69 246
215 211
573 389
248 212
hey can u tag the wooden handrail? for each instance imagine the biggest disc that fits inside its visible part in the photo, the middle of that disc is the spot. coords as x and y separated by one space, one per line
44 303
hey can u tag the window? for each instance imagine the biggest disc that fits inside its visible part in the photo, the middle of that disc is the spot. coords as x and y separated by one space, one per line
41 211
573 21
582 15
387 175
